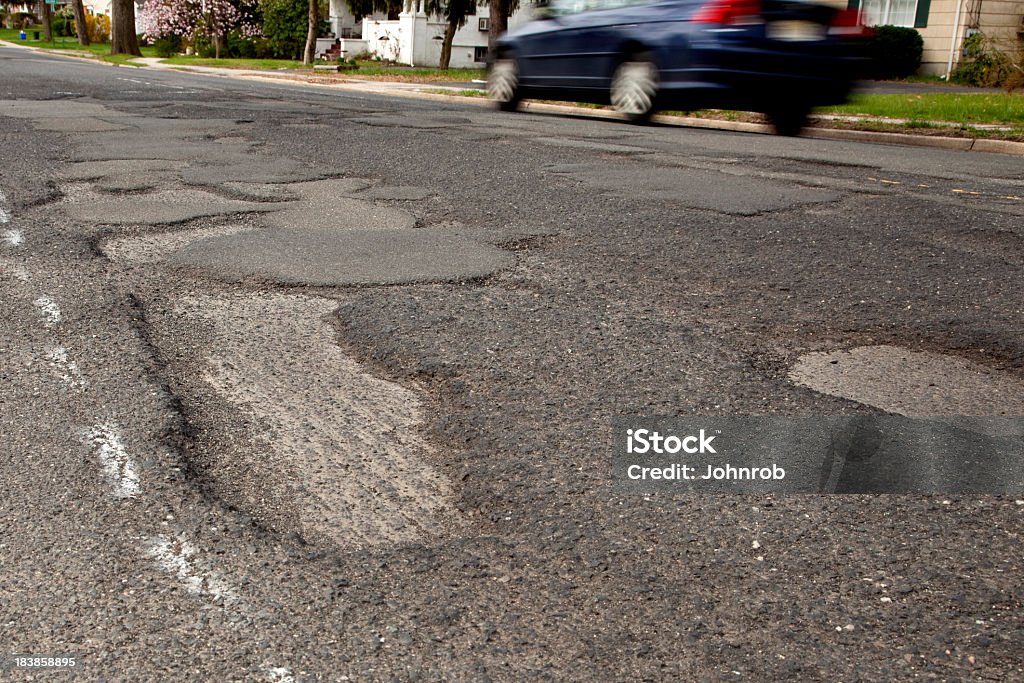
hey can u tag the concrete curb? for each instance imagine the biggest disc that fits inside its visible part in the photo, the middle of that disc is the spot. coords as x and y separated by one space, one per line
410 90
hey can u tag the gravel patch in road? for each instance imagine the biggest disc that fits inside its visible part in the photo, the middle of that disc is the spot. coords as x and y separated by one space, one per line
349 441
155 248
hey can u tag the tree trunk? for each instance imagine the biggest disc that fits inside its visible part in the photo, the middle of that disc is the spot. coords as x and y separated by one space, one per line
314 25
47 18
498 24
123 40
446 44
81 25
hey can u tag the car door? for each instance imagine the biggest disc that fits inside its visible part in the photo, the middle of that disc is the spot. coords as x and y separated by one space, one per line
591 41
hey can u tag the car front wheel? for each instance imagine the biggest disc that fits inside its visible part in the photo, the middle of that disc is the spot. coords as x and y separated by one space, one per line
635 87
503 84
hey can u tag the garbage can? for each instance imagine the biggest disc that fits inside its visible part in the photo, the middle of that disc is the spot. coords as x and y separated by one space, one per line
22 35
35 35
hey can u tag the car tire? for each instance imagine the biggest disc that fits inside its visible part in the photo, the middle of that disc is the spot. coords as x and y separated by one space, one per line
789 121
503 83
634 88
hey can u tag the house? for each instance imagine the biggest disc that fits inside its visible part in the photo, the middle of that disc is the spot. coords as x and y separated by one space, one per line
945 24
97 7
414 38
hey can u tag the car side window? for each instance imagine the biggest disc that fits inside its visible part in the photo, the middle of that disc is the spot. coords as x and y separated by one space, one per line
563 8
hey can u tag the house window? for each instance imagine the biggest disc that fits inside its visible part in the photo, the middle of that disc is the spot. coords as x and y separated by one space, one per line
484 24
889 13
480 54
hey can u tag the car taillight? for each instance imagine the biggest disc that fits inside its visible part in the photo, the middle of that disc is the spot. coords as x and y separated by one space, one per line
735 12
846 22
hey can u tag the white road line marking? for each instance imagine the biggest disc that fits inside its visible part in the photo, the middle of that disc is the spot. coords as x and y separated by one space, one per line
106 442
176 557
50 310
279 674
5 215
15 238
67 369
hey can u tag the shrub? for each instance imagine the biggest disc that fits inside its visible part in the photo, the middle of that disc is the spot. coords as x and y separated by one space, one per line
63 23
203 46
167 46
984 64
98 28
894 52
263 48
240 46
284 25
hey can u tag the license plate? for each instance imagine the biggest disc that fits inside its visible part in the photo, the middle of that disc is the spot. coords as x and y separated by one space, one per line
795 30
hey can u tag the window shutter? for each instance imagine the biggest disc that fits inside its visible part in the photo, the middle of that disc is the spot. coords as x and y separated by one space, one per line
921 17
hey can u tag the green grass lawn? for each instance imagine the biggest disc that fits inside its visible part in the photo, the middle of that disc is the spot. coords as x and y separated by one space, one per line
97 50
235 63
967 108
417 73
367 69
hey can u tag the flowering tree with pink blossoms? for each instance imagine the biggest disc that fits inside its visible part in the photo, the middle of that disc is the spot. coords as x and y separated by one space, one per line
194 19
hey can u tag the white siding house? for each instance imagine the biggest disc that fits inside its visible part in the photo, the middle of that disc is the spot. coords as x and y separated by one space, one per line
415 38
945 24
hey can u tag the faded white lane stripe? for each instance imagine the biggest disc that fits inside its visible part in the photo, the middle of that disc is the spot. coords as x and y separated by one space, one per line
50 310
67 369
279 674
15 238
177 557
120 470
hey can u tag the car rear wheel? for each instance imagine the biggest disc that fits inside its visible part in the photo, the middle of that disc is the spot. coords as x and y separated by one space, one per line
503 83
635 88
789 121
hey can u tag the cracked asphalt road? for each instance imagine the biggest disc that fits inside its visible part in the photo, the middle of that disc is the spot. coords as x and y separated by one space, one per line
384 455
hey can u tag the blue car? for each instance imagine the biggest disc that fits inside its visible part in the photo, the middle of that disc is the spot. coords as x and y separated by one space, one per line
778 57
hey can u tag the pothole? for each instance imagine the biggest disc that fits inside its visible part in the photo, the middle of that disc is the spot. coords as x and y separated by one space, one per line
351 443
913 383
155 248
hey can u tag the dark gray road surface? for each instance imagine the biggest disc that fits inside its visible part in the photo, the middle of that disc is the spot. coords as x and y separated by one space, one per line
306 385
